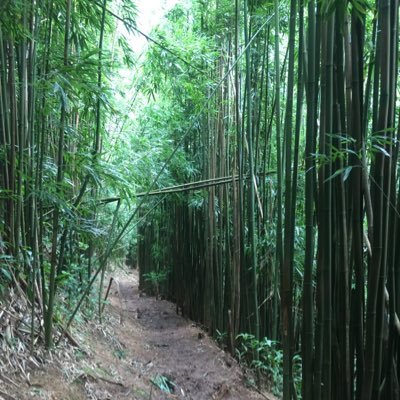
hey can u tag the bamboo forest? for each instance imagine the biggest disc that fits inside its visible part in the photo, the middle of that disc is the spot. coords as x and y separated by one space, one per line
240 156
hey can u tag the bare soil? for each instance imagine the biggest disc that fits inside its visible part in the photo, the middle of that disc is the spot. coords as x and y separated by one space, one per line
141 345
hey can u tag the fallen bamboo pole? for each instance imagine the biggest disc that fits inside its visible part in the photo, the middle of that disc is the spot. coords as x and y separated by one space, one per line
196 185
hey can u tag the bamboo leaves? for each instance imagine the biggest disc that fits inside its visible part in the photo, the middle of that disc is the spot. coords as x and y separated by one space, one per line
47 96
342 156
288 136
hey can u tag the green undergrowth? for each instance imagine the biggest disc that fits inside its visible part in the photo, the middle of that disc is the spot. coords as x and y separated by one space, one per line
269 363
155 279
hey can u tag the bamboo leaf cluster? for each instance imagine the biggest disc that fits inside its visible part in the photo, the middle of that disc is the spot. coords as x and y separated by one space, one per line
305 255
54 100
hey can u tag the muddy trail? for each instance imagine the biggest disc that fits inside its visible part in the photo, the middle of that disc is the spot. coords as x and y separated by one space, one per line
143 350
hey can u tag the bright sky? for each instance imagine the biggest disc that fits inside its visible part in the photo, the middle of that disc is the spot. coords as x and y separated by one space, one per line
150 13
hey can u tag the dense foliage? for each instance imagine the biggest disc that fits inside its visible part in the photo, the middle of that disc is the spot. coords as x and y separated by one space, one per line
59 192
286 226
248 163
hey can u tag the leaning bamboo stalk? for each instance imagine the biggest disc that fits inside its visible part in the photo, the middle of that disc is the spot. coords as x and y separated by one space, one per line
201 184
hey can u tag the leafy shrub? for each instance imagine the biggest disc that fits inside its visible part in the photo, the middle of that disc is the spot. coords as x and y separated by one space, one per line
156 278
270 360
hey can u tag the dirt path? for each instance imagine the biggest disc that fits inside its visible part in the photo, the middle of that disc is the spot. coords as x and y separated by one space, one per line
175 348
142 341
